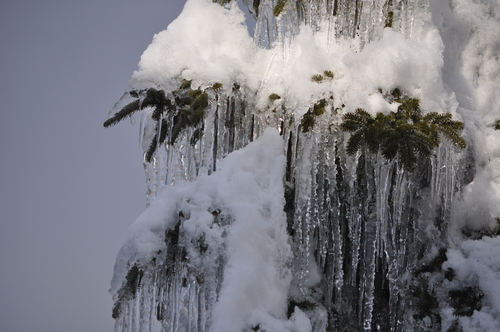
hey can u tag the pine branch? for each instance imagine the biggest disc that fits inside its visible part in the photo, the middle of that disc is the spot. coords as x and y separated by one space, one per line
319 107
198 106
409 109
466 300
389 19
216 87
179 123
390 142
309 118
453 136
278 7
422 143
159 110
154 98
355 121
163 131
448 127
126 111
128 290
152 148
317 78
307 121
378 130
188 109
197 134
256 4
404 135
185 84
328 74
406 156
355 143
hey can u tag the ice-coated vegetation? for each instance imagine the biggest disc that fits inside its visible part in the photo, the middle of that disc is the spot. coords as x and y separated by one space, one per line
337 171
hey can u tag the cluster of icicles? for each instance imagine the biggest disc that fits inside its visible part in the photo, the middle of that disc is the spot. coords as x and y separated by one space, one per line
363 221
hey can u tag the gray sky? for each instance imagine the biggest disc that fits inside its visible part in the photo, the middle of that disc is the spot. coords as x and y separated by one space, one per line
69 188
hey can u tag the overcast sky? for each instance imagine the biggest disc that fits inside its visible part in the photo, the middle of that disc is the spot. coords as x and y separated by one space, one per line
69 188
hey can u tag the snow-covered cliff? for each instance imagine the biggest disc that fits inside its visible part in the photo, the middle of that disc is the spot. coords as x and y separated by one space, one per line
259 218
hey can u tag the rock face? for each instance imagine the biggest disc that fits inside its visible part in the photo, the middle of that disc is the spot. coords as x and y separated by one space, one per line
280 229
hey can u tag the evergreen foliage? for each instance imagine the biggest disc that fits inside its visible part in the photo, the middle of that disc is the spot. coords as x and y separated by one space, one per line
190 113
126 111
185 109
319 78
435 264
426 305
455 327
128 290
422 292
476 234
273 97
278 7
185 84
396 93
304 306
222 2
497 125
217 87
389 19
465 301
404 135
256 4
328 74
309 118
364 129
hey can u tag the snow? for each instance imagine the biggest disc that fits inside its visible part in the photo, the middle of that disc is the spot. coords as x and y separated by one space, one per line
207 43
478 263
257 276
449 59
471 34
210 43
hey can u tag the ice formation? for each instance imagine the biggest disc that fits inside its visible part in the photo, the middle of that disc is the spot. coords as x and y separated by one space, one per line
259 220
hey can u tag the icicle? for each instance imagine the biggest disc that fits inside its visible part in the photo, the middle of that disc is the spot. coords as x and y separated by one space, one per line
265 28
